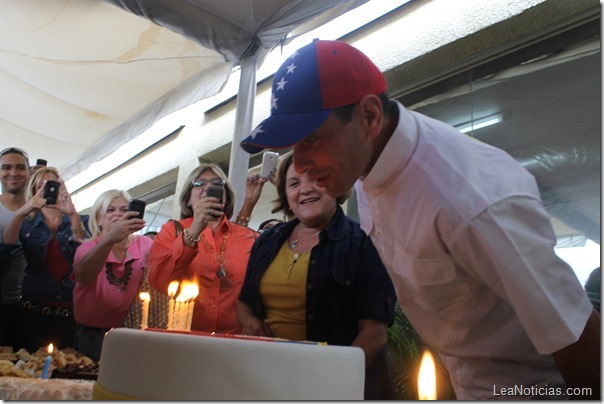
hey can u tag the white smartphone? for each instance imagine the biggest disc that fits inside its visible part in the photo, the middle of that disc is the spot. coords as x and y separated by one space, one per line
269 164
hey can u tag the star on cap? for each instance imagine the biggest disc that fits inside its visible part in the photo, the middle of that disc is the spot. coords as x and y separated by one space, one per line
291 68
274 103
257 131
281 84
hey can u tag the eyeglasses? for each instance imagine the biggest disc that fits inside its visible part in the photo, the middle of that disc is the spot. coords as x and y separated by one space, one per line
16 150
202 182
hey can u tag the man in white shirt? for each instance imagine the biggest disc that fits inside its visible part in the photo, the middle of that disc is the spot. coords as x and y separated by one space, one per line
14 174
459 225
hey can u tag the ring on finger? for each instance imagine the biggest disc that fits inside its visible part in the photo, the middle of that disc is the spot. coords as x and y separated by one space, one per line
209 211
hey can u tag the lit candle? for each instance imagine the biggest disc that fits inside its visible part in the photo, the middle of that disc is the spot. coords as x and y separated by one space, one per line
47 363
146 298
193 292
172 288
426 380
181 315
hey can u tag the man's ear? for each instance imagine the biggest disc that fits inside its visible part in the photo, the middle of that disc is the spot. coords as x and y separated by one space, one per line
370 107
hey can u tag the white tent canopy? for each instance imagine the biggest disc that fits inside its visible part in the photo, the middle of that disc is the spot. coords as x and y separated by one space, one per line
82 77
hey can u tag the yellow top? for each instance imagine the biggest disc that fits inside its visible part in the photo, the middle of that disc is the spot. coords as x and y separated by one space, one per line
283 291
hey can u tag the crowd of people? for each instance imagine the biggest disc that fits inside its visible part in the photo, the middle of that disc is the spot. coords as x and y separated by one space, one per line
452 228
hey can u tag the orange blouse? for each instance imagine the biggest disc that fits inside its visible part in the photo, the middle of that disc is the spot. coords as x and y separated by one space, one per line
170 259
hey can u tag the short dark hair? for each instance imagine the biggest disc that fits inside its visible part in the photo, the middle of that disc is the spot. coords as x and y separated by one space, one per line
344 114
15 150
267 221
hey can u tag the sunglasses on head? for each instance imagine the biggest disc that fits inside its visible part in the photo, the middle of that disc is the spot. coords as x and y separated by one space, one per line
202 182
14 150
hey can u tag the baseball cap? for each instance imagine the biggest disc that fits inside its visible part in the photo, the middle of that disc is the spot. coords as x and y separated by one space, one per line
317 78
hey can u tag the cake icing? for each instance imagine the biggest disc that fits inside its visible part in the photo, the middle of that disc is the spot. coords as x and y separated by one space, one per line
149 365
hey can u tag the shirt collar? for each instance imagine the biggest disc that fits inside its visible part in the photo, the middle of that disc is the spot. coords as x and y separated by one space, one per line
396 154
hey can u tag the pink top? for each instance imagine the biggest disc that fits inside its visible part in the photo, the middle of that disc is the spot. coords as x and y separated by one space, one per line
100 303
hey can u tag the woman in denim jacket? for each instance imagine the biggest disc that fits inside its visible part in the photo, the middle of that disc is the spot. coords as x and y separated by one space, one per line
49 235
319 278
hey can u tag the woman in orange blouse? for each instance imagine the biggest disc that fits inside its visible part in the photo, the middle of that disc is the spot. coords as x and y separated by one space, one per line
205 246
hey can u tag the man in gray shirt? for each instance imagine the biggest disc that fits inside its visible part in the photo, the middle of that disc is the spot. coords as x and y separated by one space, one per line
14 175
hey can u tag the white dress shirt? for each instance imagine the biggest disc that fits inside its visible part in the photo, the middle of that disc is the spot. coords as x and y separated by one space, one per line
461 228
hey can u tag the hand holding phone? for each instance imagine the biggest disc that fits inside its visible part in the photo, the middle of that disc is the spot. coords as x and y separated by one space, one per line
51 192
137 205
269 164
215 191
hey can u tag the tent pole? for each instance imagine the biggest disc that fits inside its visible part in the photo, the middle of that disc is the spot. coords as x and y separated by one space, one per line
239 163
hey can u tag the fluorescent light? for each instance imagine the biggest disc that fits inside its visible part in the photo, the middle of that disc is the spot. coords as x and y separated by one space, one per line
479 124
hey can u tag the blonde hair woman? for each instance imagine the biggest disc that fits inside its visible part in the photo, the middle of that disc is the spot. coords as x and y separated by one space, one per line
108 270
49 235
204 245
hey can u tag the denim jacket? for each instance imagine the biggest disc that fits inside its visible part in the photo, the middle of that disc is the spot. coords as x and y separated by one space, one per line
38 283
346 281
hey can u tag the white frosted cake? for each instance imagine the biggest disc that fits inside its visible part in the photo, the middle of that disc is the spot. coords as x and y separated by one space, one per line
155 365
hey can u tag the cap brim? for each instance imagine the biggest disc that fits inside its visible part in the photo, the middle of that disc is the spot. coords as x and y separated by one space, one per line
283 130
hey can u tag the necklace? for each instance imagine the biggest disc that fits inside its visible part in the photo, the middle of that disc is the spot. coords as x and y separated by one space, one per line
293 244
122 281
221 273
295 259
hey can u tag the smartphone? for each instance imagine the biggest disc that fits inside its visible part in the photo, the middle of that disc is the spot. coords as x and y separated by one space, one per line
51 192
136 205
41 162
215 191
269 164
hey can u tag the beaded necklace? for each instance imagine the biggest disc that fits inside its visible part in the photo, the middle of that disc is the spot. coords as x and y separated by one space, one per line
122 281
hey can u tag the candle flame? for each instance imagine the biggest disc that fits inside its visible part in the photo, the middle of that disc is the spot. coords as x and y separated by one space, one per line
145 296
426 380
172 288
50 348
188 291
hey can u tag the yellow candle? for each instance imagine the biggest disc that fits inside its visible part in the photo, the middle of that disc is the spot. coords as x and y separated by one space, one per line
180 313
172 288
426 380
190 306
192 292
146 298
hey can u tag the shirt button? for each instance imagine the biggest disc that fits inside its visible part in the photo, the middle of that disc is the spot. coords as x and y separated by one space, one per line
310 317
309 286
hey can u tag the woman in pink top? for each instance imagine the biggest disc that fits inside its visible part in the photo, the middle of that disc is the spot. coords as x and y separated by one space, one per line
107 269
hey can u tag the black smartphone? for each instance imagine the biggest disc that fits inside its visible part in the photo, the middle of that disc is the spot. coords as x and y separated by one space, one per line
136 205
41 162
215 191
51 192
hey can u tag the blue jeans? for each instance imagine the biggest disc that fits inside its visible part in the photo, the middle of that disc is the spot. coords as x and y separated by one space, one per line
89 342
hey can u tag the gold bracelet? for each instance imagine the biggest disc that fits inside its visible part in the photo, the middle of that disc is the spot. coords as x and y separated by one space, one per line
191 239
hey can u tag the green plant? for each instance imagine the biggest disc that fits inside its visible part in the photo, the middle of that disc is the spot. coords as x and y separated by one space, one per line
404 352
